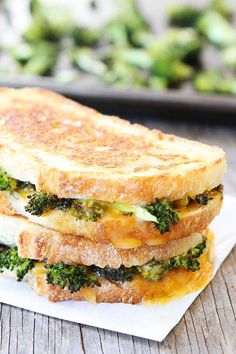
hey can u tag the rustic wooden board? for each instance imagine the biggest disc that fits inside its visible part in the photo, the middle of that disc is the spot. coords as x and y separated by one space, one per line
209 326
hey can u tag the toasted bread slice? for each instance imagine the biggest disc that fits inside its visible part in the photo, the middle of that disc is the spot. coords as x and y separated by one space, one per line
75 152
121 231
175 284
37 242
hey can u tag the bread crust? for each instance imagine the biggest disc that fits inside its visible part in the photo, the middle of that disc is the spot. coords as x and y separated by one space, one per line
37 242
125 231
75 152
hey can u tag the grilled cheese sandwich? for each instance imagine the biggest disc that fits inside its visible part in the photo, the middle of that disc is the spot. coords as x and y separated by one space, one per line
93 206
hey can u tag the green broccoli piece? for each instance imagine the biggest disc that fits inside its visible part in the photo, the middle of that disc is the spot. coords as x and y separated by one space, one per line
42 61
7 183
216 29
49 23
129 21
10 260
212 81
71 277
39 202
173 71
120 274
176 44
84 60
156 270
185 16
86 36
188 260
88 210
222 7
229 57
165 214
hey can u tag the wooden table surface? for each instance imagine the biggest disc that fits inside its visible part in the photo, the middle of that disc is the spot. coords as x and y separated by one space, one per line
209 326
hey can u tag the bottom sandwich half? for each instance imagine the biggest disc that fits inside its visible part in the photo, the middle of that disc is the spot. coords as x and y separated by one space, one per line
67 267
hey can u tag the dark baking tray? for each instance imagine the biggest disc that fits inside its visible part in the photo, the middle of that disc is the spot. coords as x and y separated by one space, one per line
172 104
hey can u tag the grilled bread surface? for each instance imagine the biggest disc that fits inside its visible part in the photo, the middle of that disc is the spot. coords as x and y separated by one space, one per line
75 152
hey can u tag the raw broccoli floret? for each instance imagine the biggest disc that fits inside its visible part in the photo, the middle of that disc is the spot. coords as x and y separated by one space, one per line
71 277
10 260
165 214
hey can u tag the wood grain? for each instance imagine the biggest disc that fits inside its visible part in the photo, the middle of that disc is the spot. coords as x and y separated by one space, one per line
209 326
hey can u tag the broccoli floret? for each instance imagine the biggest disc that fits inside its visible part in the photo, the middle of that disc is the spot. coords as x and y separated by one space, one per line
188 260
11 185
71 277
120 274
40 202
88 210
7 183
165 214
185 16
10 260
156 270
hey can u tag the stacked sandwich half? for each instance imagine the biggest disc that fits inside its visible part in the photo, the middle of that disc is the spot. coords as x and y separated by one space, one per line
94 208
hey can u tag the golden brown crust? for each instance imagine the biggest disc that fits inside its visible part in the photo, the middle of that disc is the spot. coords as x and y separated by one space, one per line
73 151
126 231
37 242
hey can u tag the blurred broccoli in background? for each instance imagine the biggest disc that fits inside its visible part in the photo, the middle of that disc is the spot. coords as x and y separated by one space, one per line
229 57
49 22
222 7
35 59
179 44
216 29
214 82
185 16
126 52
84 59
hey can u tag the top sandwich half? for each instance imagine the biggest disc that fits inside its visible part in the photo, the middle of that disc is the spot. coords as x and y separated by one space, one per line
72 151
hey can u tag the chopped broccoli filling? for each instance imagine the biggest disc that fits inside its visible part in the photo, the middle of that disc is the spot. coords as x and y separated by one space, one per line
165 214
162 213
7 183
11 185
10 260
71 277
156 270
120 274
75 277
40 202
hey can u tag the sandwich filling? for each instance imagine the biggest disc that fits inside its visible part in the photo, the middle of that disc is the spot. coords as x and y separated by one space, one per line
162 213
75 277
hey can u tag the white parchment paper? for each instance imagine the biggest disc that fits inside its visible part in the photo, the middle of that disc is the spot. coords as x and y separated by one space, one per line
153 322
